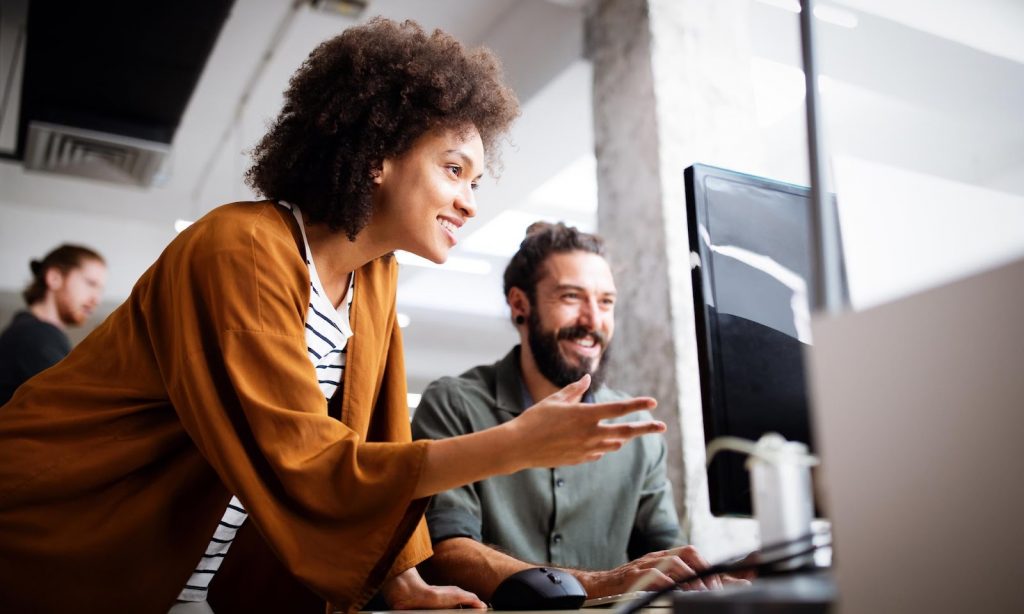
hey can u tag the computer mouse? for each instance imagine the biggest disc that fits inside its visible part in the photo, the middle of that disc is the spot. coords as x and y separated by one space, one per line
539 588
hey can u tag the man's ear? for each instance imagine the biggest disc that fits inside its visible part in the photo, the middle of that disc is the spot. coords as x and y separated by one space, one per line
519 303
54 278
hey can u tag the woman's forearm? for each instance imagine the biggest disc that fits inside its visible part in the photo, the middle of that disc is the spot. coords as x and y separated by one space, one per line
555 432
465 459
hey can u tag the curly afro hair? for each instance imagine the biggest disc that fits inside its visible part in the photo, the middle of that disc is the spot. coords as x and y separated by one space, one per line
365 96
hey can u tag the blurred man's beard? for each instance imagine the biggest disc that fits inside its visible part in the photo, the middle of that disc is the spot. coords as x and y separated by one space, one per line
551 363
68 314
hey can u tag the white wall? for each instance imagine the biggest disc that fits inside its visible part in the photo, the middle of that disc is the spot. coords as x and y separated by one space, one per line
27 232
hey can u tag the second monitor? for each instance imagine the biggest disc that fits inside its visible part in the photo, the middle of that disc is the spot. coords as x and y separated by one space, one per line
749 241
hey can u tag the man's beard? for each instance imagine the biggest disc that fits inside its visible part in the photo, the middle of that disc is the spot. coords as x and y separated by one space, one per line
549 359
68 314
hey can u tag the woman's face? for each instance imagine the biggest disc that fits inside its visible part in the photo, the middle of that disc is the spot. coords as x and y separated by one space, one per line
425 195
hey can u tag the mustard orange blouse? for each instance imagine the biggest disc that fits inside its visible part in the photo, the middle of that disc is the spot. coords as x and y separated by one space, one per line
116 464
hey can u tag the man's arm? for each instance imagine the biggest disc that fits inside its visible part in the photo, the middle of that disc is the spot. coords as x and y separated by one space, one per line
467 563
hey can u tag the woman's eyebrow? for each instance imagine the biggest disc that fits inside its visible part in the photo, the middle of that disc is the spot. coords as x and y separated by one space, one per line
466 160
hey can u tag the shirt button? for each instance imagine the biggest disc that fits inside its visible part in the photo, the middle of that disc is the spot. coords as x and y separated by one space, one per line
559 482
557 538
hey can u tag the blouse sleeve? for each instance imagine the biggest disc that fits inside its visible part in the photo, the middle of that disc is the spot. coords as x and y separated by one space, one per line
228 332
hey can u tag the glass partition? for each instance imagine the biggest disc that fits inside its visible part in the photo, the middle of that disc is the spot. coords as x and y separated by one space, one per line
922 112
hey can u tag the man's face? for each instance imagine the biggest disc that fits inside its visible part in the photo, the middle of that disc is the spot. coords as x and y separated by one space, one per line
79 291
572 319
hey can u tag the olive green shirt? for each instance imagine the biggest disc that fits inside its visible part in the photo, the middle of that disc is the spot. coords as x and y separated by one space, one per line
593 516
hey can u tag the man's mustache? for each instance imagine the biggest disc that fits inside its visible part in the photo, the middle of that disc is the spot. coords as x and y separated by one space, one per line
579 331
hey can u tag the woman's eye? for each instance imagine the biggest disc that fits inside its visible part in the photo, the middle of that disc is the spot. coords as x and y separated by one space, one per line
455 169
474 186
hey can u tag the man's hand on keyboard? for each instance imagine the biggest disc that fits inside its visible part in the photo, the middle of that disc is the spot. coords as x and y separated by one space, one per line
651 572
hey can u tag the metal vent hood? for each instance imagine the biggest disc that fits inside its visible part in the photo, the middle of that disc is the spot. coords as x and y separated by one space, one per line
95 155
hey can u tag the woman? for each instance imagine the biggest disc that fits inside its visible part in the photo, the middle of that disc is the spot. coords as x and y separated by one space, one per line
259 357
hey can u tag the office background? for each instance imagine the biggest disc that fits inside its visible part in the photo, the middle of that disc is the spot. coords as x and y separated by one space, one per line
922 112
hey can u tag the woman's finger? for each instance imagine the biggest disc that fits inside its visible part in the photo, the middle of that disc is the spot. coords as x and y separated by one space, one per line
571 393
614 409
629 430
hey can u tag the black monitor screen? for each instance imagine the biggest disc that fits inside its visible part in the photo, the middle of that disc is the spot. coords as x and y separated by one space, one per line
751 281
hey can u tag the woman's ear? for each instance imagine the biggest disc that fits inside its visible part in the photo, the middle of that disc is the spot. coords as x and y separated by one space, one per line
378 174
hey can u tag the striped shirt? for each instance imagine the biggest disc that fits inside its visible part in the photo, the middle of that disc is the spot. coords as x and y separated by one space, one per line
327 334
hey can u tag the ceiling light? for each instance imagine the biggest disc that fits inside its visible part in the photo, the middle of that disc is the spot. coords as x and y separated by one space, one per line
345 8
454 264
793 6
180 225
403 320
501 236
413 399
835 16
825 12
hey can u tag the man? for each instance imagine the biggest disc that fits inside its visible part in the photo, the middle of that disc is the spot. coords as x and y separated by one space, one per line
66 287
560 290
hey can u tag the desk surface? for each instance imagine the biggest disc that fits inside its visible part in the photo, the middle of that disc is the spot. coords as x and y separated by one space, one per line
811 592
608 610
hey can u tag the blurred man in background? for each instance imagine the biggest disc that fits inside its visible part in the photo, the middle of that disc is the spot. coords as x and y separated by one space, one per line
66 287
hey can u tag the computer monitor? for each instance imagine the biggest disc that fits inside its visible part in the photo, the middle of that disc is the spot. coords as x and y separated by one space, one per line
751 267
917 406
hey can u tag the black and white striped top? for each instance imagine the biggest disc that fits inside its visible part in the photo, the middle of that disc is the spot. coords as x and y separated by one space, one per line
327 328
327 334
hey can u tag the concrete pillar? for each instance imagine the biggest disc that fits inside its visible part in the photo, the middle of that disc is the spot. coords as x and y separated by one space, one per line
672 87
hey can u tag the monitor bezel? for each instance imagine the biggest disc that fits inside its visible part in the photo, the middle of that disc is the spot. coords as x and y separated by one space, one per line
713 402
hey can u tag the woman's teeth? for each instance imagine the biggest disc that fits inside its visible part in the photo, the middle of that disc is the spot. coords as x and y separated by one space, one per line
447 225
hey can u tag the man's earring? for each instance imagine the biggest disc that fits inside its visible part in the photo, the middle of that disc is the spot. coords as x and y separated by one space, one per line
520 320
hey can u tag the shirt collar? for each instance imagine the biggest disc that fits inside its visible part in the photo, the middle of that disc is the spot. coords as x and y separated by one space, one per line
511 393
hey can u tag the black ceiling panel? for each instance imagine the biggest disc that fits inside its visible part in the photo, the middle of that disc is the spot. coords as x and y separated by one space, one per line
126 68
